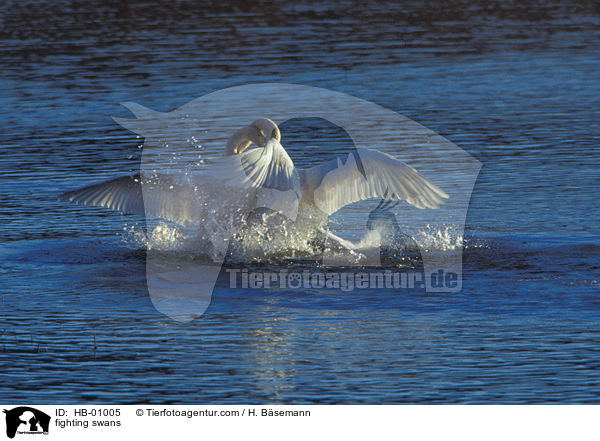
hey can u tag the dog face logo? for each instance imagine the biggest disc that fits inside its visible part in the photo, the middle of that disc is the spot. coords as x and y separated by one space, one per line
26 420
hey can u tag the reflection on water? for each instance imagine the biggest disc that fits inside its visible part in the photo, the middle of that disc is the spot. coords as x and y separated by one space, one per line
516 86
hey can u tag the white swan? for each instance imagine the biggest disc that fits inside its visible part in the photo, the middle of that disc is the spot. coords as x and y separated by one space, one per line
268 178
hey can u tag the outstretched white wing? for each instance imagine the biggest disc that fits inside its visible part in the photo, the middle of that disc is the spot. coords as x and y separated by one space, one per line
162 197
369 174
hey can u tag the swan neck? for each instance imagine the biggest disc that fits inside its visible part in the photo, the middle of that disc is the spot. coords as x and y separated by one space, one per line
238 142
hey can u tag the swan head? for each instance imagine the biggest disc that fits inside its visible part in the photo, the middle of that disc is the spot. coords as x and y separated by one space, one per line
259 132
267 129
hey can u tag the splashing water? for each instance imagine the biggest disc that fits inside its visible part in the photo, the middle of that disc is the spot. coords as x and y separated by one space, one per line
162 237
439 239
270 238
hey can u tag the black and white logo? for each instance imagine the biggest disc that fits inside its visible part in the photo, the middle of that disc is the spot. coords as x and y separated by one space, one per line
26 420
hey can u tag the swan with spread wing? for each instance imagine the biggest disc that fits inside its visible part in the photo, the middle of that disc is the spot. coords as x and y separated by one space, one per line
268 178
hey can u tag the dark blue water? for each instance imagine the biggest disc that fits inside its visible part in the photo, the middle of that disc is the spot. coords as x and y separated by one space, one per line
516 86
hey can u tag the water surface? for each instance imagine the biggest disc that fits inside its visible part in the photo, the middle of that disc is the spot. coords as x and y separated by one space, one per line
516 86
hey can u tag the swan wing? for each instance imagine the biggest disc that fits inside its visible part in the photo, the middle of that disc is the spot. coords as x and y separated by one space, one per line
162 197
268 167
368 174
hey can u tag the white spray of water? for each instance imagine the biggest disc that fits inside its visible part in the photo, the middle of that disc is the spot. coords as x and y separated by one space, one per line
264 241
439 239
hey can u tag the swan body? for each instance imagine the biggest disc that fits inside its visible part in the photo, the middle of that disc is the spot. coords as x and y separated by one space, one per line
246 179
